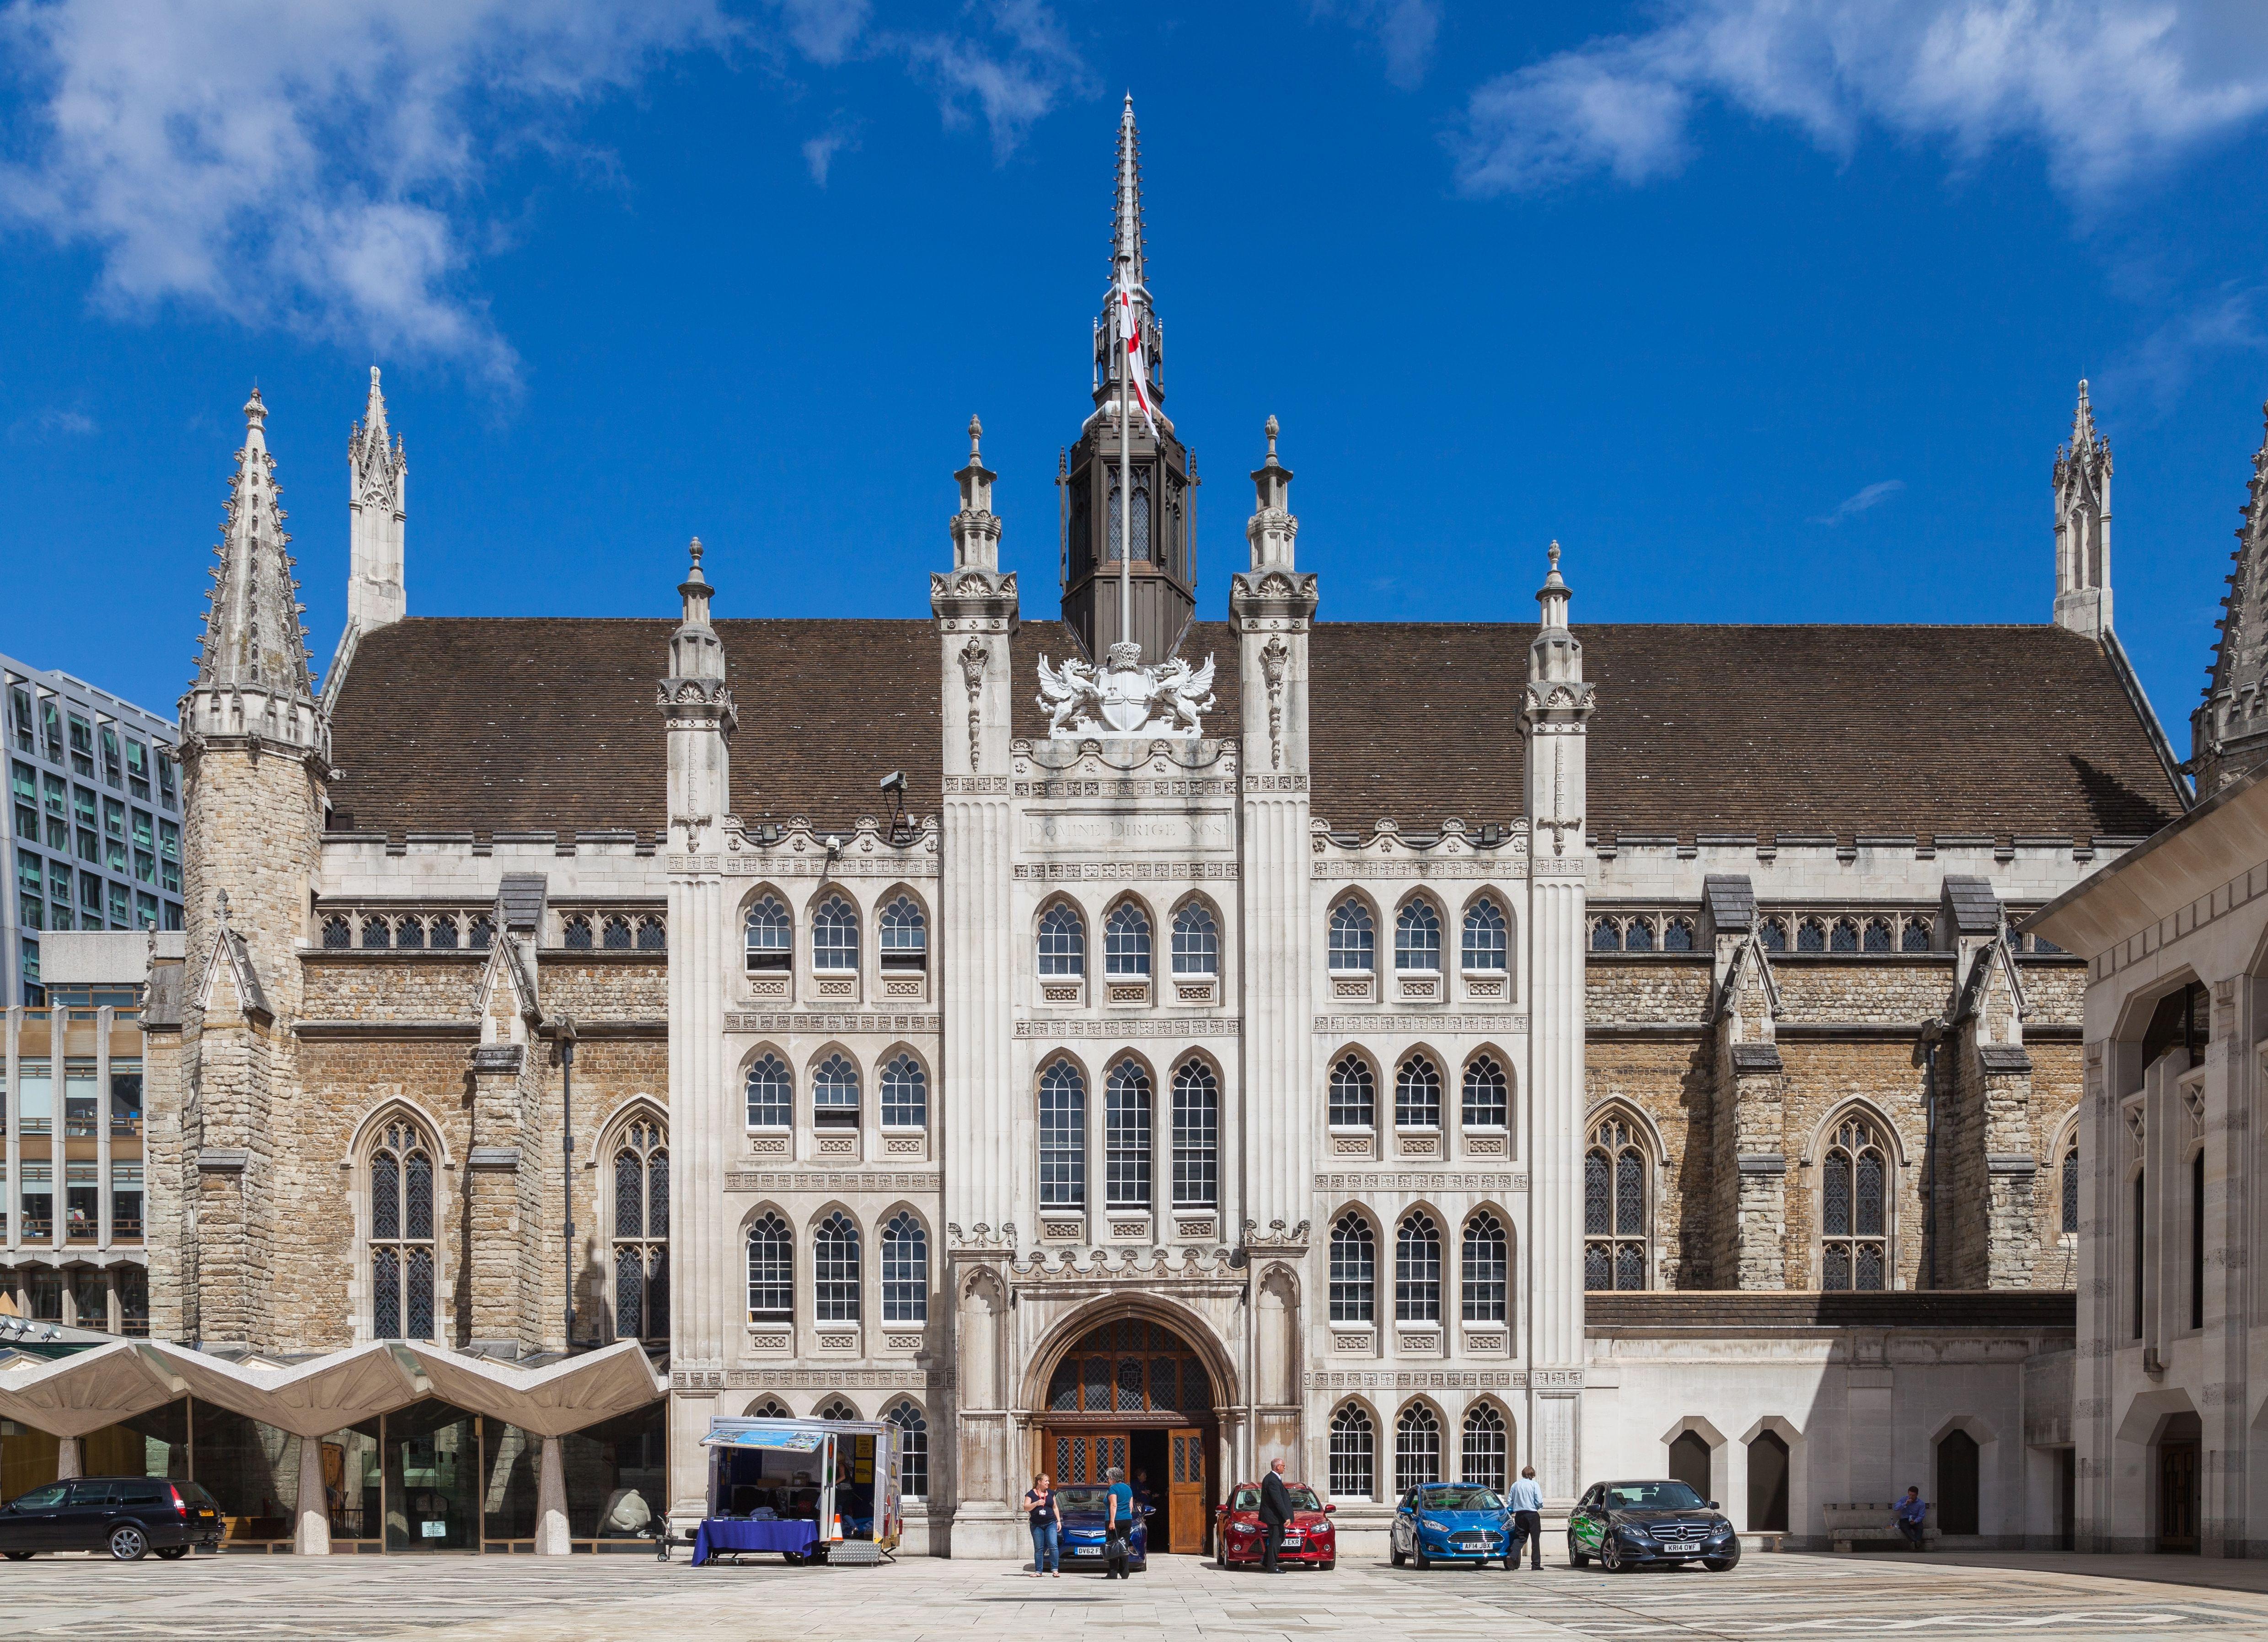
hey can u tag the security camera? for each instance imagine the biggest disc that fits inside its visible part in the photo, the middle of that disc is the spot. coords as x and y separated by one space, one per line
894 782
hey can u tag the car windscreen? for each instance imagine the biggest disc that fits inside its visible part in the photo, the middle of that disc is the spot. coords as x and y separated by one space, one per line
1459 1499
1096 1500
1653 1497
1245 1499
1303 1499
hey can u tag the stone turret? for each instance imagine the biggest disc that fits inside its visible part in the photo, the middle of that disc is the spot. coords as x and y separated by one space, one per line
2228 734
378 483
2082 487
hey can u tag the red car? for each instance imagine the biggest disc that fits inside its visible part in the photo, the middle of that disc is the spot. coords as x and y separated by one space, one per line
1309 1537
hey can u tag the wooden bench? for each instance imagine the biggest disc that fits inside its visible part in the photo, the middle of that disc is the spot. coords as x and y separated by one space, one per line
1852 1526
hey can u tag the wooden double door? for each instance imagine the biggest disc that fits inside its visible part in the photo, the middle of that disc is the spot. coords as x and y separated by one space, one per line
1084 1459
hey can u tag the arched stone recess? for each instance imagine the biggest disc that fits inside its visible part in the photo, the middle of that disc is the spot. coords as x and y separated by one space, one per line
1743 1487
1720 1455
1276 1337
1214 1353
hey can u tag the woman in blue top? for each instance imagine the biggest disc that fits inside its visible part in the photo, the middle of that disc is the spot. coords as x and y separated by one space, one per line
1047 1526
1117 1526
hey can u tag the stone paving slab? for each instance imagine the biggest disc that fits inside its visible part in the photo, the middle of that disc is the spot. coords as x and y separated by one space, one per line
519 1599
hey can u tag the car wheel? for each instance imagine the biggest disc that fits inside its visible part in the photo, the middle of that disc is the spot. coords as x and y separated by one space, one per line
1575 1557
1611 1557
1328 1564
19 1556
129 1543
1417 1552
1720 1564
1398 1557
173 1553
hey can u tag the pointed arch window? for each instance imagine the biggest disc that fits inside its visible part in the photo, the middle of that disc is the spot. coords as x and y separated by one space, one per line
1354 1444
575 933
1354 1094
1854 1244
1063 1138
1418 1269
834 1094
834 937
1354 1271
2069 1223
1141 513
1485 936
1915 936
1126 942
1486 1283
836 1409
1417 938
401 1242
376 934
444 933
771 1270
1488 1101
1197 1137
641 1241
771 1094
905 936
905 1269
1417 1095
913 1450
336 934
905 1094
482 936
1616 1253
653 934
768 935
615 935
1126 1137
1196 941
1353 939
1486 1449
1062 941
835 1269
1417 1448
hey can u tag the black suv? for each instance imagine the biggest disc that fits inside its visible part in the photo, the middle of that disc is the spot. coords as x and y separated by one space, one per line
127 1516
1624 1524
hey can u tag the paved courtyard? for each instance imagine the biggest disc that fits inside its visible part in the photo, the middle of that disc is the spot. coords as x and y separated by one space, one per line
639 1600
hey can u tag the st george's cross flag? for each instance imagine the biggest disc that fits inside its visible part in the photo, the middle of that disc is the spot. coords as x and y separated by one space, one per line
1132 355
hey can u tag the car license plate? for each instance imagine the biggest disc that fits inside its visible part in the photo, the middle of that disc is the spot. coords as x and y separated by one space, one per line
1087 1550
1295 1539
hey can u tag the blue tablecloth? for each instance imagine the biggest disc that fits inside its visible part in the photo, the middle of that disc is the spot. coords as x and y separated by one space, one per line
722 1535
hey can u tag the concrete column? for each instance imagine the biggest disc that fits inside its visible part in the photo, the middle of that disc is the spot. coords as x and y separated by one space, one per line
551 1501
311 1533
67 1458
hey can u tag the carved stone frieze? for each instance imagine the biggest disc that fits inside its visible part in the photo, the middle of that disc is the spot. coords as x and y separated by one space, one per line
1172 1026
816 1021
1426 1180
833 1179
1113 872
1426 1021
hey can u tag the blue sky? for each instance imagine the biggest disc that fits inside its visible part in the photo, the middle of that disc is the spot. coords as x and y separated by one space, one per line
1769 310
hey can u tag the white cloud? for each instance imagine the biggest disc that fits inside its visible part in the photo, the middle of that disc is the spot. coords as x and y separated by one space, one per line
53 421
1860 501
1405 31
819 153
823 30
1012 88
2106 89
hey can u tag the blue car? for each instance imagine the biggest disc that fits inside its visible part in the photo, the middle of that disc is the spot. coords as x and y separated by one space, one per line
1084 1511
1451 1523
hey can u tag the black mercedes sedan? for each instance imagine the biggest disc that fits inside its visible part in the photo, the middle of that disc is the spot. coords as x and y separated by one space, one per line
1626 1524
127 1517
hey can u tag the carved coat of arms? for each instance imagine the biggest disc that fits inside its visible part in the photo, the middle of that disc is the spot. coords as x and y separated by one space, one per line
1124 697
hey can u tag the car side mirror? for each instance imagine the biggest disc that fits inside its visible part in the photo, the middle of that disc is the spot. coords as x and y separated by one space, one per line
1328 1509
1712 1504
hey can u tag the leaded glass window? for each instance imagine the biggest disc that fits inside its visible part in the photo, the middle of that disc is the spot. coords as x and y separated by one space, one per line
1487 1098
835 1269
653 934
1485 936
401 1243
409 934
905 1270
834 1094
1486 1449
771 1270
1606 935
768 935
336 934
1772 934
1196 941
1063 1137
2070 1224
1126 1137
641 1234
1062 941
1875 937
376 935
913 1450
1677 934
1854 1207
1638 935
834 936
1486 1283
905 1094
1417 1448
1126 942
1843 935
1916 937
614 934
1615 1222
1418 1269
1353 941
1811 935
1417 1095
905 935
444 934
1354 1454
1354 1094
575 933
771 1094
1354 1269
483 935
1418 937
1197 1137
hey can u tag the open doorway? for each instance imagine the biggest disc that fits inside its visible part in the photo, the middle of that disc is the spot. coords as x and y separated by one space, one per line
1135 1393
2177 1484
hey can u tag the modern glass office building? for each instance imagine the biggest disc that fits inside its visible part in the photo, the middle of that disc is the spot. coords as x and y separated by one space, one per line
91 836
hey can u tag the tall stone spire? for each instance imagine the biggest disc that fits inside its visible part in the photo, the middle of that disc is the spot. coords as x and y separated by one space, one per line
2082 490
253 673
378 475
2229 735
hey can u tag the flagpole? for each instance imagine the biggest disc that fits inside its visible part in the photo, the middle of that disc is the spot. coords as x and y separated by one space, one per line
1125 460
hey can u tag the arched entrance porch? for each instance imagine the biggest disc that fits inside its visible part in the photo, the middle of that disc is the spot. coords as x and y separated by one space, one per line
1131 1390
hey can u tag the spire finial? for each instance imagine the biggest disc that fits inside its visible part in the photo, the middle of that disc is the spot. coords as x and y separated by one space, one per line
1552 553
975 433
696 551
1271 430
255 411
220 906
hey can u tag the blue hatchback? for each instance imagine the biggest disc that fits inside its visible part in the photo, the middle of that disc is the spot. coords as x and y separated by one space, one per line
1084 1512
1451 1523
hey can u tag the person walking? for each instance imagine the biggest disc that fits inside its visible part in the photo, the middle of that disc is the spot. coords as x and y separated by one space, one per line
1908 1513
1275 1513
1047 1526
1117 1526
1526 1500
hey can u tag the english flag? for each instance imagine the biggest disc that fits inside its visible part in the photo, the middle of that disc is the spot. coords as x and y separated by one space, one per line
1137 361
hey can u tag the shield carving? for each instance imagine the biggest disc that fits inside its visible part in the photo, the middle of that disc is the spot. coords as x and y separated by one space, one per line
1124 694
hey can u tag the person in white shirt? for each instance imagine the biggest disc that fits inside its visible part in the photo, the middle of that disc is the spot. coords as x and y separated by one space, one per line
1527 1502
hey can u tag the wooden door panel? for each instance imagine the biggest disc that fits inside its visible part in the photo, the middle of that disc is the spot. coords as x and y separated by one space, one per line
1185 1491
1083 1459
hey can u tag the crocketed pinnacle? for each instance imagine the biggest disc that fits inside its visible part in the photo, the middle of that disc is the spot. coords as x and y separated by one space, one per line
253 635
1126 222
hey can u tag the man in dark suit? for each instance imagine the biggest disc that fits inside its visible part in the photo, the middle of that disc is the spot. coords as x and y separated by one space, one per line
1275 1512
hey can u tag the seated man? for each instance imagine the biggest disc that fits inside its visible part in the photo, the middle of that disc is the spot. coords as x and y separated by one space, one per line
1908 1514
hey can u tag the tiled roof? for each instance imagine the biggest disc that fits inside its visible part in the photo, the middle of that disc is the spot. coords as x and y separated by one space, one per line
539 724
